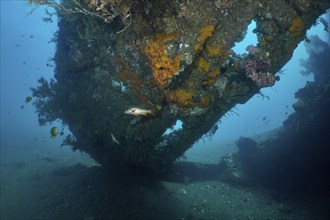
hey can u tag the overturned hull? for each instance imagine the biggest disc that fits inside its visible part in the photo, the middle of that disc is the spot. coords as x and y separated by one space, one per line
172 60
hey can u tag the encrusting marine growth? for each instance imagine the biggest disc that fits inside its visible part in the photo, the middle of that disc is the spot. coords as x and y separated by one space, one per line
172 60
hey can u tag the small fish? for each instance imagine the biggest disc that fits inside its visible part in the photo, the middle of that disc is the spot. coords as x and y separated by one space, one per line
138 111
53 132
28 99
114 139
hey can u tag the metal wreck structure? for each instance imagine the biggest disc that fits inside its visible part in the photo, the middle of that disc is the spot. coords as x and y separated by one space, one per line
171 58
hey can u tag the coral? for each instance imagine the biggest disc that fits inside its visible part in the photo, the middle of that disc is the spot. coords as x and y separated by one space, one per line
205 101
212 51
211 77
203 64
257 69
218 51
204 33
187 99
163 67
252 49
267 39
107 10
229 52
213 74
296 27
181 98
236 65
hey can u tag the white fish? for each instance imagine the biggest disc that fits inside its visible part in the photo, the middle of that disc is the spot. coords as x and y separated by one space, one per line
138 111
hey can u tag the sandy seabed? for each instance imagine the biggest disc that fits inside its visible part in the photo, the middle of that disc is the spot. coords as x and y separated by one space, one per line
39 185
